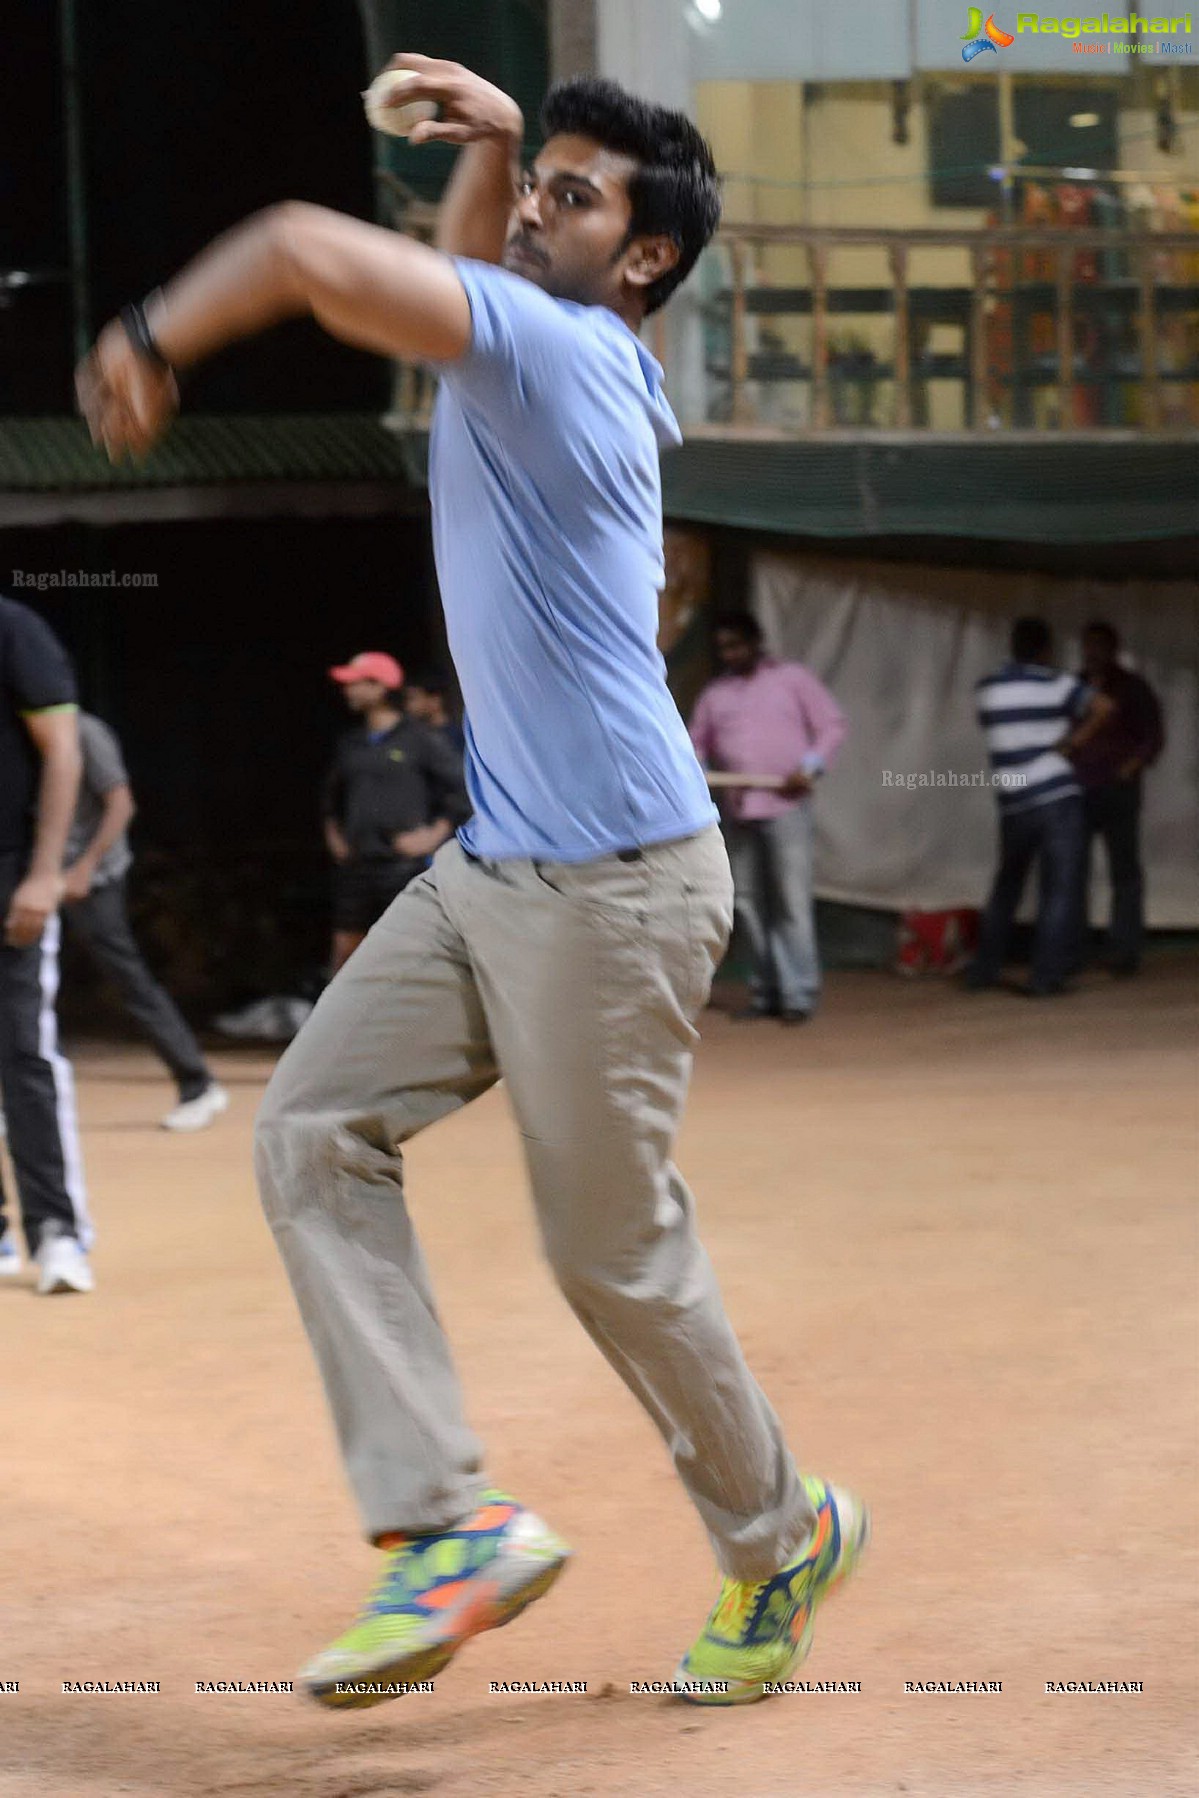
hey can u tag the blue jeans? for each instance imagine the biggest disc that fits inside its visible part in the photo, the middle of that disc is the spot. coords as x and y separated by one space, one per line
1052 836
772 899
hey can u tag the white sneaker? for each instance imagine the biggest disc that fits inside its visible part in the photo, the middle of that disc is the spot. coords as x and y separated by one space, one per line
10 1255
198 1113
63 1265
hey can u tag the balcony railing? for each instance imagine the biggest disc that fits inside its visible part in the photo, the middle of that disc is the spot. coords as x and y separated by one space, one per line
1017 328
795 330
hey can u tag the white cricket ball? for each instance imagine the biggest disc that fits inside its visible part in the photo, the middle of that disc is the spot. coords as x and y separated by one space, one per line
397 121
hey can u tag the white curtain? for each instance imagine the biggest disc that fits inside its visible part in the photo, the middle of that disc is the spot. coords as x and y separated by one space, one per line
900 648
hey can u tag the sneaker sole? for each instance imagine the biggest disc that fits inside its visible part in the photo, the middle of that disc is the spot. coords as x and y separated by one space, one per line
217 1108
854 1520
487 1611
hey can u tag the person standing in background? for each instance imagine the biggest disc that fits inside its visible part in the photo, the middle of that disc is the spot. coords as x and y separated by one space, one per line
40 765
760 716
393 796
427 699
1035 718
1109 768
96 912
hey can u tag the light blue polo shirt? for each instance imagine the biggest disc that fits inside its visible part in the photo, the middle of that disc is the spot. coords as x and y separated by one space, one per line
547 531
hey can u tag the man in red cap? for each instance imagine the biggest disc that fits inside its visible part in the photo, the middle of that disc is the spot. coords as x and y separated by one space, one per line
393 795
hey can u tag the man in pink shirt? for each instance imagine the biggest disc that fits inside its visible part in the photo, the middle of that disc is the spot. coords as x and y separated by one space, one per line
766 718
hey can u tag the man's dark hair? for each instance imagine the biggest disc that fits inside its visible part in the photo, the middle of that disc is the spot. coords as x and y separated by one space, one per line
1100 627
738 624
433 680
675 192
1031 638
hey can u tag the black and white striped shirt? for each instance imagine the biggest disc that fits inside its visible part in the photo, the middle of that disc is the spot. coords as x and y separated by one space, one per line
1025 709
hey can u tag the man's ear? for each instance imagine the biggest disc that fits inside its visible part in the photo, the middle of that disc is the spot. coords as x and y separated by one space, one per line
649 258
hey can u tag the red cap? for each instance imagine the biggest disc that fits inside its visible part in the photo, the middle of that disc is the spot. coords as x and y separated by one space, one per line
372 664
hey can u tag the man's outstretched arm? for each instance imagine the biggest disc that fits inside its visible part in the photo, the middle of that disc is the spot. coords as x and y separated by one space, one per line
367 286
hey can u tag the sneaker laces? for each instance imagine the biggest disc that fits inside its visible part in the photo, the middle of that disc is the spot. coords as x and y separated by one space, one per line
737 1604
393 1586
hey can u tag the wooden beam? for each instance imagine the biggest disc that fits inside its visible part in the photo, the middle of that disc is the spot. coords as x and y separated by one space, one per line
903 337
996 236
1065 339
738 348
1147 322
573 39
821 415
980 261
658 335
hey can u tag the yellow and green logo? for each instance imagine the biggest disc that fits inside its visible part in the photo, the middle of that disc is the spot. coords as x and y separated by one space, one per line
978 37
1101 24
1134 32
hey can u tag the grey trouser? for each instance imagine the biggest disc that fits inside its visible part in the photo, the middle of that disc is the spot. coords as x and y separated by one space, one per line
580 985
101 921
772 872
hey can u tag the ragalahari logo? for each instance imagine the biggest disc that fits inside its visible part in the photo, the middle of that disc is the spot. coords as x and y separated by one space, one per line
983 37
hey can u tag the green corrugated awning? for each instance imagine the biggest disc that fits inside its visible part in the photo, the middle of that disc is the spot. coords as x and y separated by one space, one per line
39 455
1035 490
1031 489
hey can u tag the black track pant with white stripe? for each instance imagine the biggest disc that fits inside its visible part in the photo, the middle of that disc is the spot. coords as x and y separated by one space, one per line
36 1083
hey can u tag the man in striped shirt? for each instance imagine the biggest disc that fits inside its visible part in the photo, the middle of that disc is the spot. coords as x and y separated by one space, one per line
1034 717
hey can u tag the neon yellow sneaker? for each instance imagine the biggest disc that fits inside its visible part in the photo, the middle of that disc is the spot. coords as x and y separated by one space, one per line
434 1593
757 1635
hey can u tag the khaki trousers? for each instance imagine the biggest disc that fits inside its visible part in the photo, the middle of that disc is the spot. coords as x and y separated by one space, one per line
579 984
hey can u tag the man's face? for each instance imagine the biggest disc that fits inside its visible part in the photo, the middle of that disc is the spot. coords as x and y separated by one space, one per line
419 704
364 695
1098 653
735 653
568 229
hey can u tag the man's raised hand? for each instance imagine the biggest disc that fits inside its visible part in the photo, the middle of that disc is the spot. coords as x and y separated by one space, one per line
470 109
127 400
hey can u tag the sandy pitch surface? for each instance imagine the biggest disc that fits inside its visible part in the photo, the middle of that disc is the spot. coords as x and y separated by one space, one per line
957 1238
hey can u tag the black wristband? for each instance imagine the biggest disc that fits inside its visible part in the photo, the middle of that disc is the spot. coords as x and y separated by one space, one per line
133 317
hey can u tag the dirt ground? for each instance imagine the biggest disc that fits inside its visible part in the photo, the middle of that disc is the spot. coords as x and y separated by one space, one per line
957 1237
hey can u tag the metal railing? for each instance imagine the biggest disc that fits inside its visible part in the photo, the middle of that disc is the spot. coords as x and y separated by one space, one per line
1061 329
1065 329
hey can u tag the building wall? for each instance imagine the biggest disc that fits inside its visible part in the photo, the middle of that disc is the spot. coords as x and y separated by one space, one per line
826 154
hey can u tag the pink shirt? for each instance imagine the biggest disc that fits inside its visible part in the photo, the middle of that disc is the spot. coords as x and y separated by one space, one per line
773 721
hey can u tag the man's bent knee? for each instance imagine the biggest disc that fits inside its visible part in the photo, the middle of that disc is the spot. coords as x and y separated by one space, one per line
661 1276
295 1147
